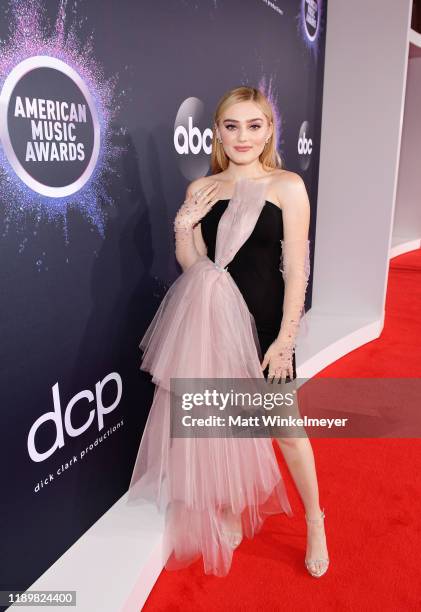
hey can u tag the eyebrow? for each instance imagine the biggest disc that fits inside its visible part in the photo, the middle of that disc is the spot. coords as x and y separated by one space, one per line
248 120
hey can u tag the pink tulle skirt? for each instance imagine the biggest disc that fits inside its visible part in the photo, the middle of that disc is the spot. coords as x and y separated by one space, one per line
203 329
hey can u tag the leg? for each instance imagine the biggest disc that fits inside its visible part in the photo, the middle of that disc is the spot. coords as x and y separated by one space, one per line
299 457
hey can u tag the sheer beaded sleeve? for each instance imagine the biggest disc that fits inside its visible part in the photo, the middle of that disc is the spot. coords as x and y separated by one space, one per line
185 248
295 268
194 208
184 223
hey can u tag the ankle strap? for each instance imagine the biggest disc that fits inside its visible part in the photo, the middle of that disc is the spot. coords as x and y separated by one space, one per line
322 516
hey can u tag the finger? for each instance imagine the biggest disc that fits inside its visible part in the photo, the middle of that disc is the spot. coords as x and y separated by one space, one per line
205 191
211 203
212 197
264 363
205 187
271 377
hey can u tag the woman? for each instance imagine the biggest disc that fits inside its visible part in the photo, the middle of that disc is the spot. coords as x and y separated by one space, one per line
232 232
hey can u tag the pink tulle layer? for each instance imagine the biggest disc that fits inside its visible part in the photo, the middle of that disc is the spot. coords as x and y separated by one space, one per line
203 329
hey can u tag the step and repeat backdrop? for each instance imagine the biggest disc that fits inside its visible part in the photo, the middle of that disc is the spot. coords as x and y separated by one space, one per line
105 117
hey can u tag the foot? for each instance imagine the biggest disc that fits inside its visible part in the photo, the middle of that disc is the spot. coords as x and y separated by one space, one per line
317 559
231 527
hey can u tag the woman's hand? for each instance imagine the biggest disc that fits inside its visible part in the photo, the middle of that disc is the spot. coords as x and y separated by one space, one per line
196 206
279 358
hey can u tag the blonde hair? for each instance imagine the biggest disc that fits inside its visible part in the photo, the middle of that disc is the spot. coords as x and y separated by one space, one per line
269 157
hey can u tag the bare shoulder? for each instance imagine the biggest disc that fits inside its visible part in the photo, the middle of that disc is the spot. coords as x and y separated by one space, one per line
290 190
285 180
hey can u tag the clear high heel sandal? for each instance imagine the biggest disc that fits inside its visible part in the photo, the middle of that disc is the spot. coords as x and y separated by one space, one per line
309 563
232 528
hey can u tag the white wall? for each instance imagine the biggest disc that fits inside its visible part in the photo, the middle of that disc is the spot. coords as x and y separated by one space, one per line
407 220
363 99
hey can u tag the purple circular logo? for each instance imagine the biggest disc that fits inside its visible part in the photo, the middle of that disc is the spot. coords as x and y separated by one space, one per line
49 126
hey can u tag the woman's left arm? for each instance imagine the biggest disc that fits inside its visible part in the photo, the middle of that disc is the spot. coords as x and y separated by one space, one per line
295 267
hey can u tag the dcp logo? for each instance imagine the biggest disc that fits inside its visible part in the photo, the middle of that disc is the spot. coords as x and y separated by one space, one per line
192 138
304 146
99 410
49 126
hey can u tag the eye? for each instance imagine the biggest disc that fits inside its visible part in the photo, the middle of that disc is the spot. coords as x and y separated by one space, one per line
255 126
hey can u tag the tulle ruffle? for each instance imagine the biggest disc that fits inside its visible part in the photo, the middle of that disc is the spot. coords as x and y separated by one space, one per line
203 329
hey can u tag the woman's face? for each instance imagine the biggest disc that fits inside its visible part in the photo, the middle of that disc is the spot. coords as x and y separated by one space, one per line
244 130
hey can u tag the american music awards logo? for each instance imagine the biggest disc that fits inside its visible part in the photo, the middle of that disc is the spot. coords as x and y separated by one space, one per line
49 126
56 109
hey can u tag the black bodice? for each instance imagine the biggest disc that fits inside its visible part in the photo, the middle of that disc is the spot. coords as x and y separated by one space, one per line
255 267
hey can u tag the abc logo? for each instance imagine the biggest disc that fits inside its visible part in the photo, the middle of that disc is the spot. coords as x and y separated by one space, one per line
60 426
304 146
192 139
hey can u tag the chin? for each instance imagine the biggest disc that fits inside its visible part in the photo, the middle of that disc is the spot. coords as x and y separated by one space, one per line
238 156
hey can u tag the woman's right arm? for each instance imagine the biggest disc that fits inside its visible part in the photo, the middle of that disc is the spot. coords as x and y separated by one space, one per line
189 244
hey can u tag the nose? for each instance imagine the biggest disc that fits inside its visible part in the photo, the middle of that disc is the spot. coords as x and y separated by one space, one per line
242 135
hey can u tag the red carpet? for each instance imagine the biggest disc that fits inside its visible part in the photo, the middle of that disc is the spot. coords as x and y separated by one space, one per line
371 491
